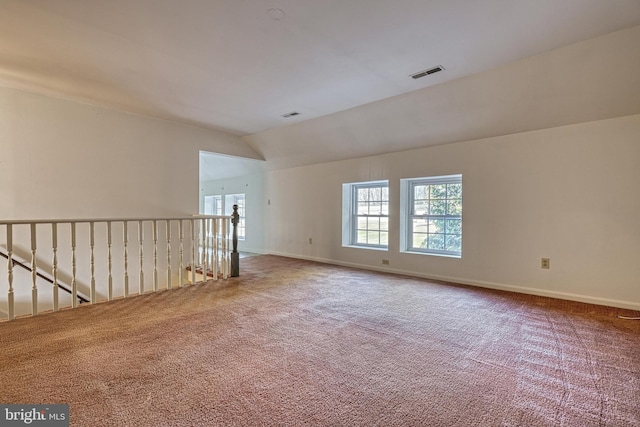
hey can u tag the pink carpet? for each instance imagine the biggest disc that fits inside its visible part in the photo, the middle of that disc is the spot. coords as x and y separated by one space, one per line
292 343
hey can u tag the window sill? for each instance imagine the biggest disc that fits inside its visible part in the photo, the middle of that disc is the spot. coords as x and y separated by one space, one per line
432 254
366 247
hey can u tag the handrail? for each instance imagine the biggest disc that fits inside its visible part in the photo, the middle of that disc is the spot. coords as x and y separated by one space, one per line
201 241
42 276
101 220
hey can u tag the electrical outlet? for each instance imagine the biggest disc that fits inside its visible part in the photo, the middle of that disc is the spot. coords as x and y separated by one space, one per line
310 241
385 262
544 263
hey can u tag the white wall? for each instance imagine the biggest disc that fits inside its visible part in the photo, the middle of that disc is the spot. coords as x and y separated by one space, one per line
568 193
61 160
64 159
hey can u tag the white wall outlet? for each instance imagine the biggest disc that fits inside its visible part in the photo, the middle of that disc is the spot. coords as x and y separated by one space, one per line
385 262
544 263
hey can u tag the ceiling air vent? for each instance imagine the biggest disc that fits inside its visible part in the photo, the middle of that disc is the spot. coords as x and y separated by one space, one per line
291 114
427 72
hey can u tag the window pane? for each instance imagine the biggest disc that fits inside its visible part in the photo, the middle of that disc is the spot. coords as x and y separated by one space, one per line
363 208
453 243
420 240
454 191
373 238
384 238
436 226
239 200
361 237
226 206
438 191
374 208
454 207
420 225
385 208
436 241
374 193
385 193
362 222
384 223
420 192
374 224
438 207
421 207
454 226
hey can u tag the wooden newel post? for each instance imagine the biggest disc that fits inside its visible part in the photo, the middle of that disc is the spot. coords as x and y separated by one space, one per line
235 256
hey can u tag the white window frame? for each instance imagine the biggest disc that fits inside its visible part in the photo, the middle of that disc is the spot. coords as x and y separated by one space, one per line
240 200
409 215
218 204
213 204
350 215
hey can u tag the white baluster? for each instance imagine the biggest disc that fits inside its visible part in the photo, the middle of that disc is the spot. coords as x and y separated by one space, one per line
34 273
10 296
181 252
224 251
221 229
109 264
209 245
92 262
205 266
194 241
141 239
214 244
125 240
224 230
225 247
54 263
74 284
228 247
168 222
215 268
155 255
223 243
209 263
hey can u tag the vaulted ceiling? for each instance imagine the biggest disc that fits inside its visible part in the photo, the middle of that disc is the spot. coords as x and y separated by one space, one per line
343 65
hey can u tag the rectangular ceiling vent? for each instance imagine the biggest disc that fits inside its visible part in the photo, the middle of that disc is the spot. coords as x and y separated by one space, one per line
427 72
291 114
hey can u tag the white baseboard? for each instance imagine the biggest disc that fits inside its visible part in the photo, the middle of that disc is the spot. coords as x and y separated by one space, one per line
482 284
253 251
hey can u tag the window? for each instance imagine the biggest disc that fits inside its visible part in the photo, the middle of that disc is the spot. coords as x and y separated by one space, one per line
213 205
365 211
236 199
431 215
216 205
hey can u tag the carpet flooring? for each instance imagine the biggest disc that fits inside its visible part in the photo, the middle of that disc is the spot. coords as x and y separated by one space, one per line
294 343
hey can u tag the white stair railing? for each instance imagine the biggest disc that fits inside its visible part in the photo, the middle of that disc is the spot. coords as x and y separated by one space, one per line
80 257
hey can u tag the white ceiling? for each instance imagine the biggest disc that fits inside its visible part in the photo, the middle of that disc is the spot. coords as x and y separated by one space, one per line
229 65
